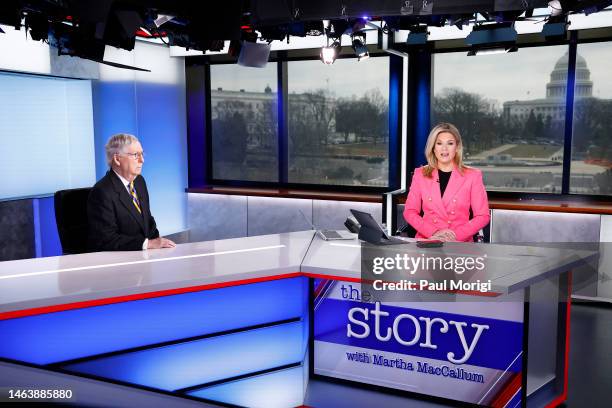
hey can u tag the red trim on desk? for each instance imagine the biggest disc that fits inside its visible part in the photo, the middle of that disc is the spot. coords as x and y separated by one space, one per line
139 296
506 395
169 292
561 398
357 280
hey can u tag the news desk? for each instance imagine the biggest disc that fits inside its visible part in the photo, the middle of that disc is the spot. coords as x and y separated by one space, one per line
250 321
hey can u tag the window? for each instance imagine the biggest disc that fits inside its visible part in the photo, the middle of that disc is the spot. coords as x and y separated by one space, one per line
510 110
338 126
591 167
244 110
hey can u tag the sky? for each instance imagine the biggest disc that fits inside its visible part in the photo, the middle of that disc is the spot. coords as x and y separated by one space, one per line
346 77
233 77
520 75
598 57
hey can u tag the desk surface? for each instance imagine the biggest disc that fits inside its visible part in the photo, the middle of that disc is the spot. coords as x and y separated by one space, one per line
41 282
509 267
49 282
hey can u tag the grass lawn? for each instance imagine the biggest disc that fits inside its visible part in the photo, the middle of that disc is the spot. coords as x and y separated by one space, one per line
532 151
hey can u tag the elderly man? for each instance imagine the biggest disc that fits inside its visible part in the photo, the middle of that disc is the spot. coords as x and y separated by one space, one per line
118 207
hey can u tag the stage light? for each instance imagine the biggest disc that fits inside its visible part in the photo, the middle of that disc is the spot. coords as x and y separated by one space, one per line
555 28
487 39
560 8
555 7
492 50
330 53
162 19
254 55
360 47
418 35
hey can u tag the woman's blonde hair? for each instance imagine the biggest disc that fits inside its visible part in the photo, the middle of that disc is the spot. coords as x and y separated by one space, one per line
432 162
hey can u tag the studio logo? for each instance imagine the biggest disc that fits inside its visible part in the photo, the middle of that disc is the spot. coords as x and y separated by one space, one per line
410 331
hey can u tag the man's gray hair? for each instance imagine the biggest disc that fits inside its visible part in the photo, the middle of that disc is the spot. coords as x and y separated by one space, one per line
115 145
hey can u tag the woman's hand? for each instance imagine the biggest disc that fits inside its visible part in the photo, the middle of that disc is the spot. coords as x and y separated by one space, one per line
445 235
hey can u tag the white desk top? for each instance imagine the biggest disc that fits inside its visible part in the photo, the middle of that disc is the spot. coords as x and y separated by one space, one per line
509 267
47 282
41 282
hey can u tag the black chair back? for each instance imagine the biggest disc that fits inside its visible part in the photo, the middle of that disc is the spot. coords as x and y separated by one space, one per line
71 219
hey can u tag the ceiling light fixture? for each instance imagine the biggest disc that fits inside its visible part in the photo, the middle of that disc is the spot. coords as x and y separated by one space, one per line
492 50
330 53
488 39
359 46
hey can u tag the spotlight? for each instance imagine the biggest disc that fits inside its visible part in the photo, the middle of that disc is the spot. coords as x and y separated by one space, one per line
555 28
358 25
487 39
162 19
491 51
418 35
555 7
359 46
253 54
330 53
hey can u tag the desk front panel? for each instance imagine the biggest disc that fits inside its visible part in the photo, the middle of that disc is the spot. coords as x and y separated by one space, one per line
452 346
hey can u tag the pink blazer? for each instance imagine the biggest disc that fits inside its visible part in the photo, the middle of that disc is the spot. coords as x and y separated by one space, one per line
452 211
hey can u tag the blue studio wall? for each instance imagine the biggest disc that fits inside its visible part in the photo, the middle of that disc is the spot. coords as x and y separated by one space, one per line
150 105
114 112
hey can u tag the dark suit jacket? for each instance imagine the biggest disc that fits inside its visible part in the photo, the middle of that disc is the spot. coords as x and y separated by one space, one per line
114 222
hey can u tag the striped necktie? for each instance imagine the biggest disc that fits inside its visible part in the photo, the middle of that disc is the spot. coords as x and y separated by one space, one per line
135 197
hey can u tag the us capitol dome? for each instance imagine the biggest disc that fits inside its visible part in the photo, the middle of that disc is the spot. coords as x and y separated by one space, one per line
557 86
554 103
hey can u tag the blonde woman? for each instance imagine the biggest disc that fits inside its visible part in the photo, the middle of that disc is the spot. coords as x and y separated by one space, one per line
445 190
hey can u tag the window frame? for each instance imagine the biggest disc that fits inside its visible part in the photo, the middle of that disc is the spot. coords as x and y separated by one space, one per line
578 41
417 60
572 43
281 59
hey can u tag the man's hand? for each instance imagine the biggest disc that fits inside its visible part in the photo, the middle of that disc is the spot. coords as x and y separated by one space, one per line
446 235
160 243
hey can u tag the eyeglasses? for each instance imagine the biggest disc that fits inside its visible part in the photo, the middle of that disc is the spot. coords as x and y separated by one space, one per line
135 156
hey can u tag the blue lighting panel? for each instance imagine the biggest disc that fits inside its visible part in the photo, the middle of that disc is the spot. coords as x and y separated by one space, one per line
155 113
49 239
423 111
115 113
284 388
395 111
202 361
162 131
62 336
47 135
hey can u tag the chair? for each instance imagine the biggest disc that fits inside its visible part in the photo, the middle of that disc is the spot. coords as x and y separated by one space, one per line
71 219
